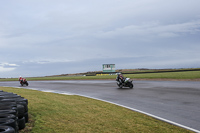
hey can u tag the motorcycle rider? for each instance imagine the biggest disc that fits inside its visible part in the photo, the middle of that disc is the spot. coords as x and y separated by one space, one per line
20 78
23 81
120 78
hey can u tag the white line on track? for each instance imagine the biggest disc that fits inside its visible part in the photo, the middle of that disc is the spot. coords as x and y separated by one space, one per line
48 91
67 93
154 116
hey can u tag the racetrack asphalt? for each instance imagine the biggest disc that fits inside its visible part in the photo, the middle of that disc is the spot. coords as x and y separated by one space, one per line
176 101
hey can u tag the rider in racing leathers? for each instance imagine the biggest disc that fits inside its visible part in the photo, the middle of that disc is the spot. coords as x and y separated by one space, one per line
20 78
120 78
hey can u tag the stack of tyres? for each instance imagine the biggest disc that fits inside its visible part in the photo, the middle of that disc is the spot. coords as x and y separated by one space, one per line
13 112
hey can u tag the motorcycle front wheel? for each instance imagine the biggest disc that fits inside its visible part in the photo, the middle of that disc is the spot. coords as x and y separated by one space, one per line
131 86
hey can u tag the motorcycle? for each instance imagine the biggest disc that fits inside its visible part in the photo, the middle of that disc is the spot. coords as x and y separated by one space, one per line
127 83
23 82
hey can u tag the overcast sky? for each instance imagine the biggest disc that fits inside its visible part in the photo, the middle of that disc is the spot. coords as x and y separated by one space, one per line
49 37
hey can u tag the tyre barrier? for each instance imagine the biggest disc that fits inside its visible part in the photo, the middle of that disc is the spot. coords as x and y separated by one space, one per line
13 112
6 129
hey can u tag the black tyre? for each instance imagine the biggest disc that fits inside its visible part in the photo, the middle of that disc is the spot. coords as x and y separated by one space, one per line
7 100
131 86
8 108
13 108
14 112
25 106
20 109
8 116
8 122
121 86
26 117
10 96
21 123
6 129
21 100
11 104
24 100
6 94
21 106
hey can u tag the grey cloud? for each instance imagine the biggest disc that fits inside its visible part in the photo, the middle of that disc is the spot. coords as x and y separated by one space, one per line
74 36
8 65
154 29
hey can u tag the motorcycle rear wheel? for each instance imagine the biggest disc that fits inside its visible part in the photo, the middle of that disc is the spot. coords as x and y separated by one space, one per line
120 86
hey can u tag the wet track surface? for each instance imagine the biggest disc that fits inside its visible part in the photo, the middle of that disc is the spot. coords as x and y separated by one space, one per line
177 101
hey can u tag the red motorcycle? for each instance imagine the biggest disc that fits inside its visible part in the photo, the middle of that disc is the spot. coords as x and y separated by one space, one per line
23 82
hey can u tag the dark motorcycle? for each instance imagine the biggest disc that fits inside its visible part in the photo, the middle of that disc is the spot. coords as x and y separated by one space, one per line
23 82
127 83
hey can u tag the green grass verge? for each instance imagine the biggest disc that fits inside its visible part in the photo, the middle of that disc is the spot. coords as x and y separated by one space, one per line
166 75
56 113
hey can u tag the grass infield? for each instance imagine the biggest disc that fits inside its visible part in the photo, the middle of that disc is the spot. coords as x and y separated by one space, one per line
186 75
56 113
